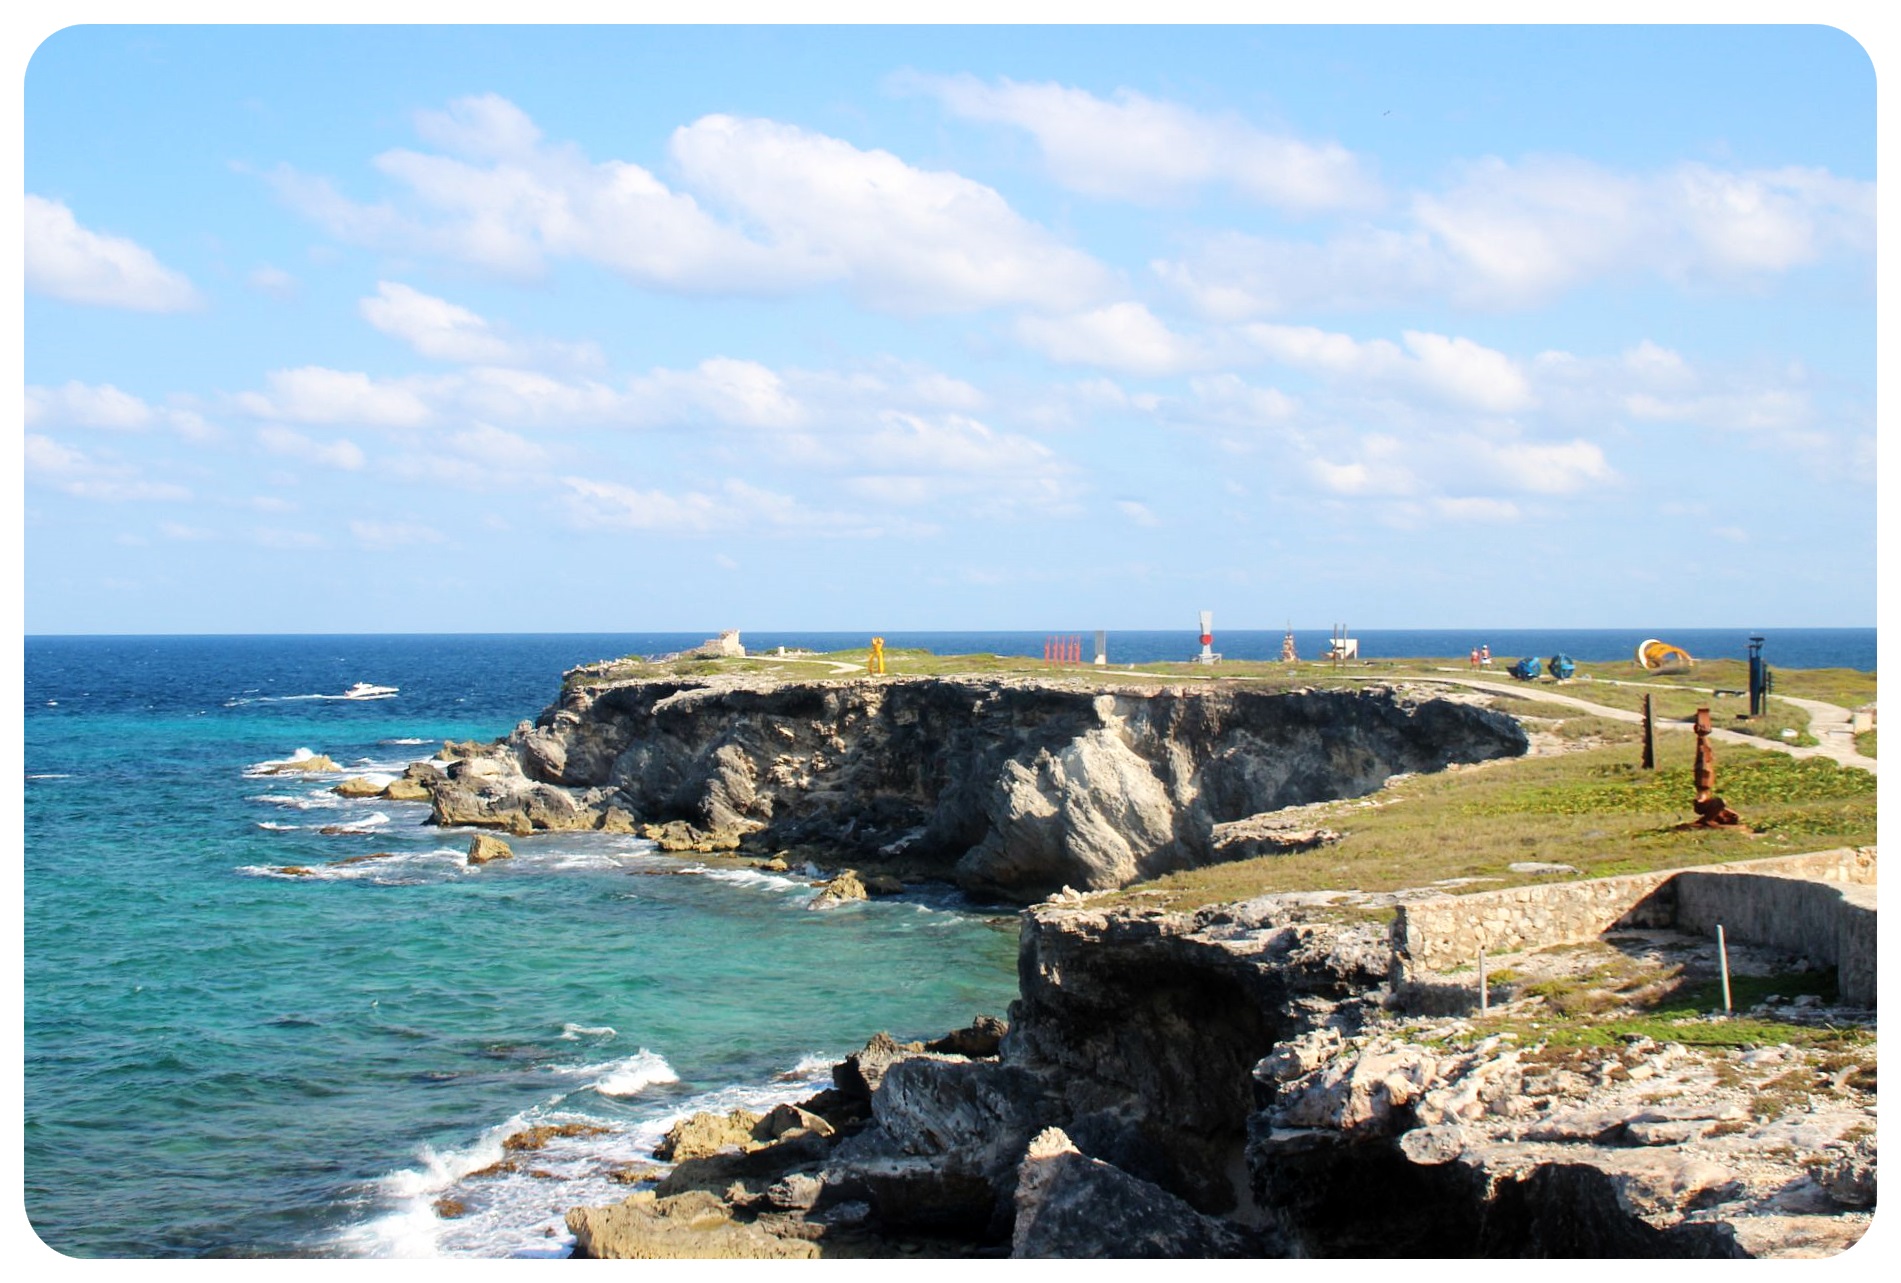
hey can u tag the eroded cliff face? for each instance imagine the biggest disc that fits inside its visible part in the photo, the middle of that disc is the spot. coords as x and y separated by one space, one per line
1011 787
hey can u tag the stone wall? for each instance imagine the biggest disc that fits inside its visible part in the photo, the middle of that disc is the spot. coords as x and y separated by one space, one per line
1449 931
1832 924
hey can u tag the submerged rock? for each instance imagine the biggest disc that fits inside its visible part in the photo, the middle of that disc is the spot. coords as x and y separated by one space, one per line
538 1137
840 890
484 849
300 763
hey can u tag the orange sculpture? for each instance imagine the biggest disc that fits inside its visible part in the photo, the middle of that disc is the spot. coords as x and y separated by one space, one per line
1711 811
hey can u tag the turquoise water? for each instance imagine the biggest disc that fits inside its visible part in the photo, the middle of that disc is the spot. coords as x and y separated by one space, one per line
224 1059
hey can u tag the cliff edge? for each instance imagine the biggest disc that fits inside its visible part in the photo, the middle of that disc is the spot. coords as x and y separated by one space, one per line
1010 787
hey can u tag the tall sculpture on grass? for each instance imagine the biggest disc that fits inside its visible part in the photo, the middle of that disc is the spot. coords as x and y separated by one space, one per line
1711 811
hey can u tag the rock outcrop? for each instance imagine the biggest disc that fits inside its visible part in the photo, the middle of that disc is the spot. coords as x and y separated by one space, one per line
484 849
1245 1081
1010 787
1070 1206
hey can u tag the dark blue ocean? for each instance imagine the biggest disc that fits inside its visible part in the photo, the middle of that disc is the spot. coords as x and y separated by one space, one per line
225 1059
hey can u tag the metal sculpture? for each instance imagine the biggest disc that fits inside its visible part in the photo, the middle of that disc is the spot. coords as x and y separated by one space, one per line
1525 670
1561 666
874 663
1655 656
1761 680
1711 811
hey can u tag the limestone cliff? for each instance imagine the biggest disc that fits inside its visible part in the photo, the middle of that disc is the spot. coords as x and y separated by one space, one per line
1011 787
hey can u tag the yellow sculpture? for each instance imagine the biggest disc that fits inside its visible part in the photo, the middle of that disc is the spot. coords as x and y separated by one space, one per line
874 664
1661 657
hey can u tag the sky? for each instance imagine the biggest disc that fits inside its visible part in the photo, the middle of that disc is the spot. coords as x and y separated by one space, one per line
519 329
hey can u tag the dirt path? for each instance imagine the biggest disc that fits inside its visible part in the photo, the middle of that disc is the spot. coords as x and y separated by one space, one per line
1827 723
837 666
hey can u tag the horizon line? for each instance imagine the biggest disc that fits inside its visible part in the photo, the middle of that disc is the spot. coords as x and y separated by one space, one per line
1652 629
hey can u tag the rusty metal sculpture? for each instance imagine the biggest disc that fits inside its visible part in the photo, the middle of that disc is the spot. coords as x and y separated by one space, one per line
1711 811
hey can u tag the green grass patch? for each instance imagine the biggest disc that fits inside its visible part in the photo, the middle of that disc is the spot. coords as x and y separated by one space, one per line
1593 809
1865 743
1624 1000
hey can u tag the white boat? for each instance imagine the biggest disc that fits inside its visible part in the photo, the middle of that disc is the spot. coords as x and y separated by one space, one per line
363 690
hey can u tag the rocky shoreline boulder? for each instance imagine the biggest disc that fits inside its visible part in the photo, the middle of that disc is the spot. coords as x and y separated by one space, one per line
484 849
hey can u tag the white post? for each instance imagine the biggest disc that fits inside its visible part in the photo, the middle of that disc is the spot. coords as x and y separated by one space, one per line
1485 994
1722 952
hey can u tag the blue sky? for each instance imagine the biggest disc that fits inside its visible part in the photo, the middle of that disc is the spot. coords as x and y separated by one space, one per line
551 329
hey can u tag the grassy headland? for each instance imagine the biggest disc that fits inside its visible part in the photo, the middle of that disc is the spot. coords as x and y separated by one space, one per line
1589 806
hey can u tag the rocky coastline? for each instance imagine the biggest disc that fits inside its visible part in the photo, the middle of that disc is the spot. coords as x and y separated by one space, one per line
1012 788
1250 1082
1262 1079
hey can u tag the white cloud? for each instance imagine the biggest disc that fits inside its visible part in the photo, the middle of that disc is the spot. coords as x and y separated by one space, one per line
1227 399
485 443
274 281
1144 149
512 208
185 534
1553 468
287 540
810 210
735 507
84 405
440 329
314 394
1137 512
1767 409
433 326
1650 384
952 444
67 261
47 456
191 425
1514 235
1452 475
1454 371
1232 276
1125 337
386 536
482 127
73 472
720 392
1381 469
725 390
609 505
903 238
331 454
481 457
1477 509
